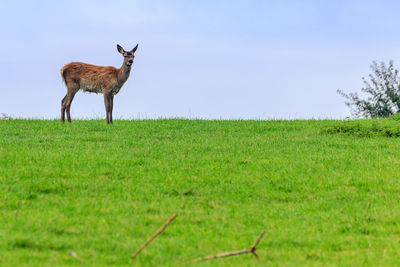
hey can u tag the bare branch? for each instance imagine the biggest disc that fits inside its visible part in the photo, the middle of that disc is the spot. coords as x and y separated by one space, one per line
252 250
162 228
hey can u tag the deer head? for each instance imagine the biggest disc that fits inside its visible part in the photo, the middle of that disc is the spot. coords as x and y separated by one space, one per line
129 56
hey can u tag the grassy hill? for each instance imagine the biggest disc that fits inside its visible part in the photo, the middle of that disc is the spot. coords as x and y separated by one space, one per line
324 196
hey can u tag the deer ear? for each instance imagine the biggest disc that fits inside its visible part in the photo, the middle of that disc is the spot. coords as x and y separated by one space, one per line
135 48
120 49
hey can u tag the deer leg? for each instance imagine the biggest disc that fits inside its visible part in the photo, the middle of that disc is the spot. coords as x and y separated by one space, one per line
72 88
111 107
63 108
107 105
70 97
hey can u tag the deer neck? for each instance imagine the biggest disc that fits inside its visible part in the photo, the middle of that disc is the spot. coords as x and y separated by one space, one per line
123 74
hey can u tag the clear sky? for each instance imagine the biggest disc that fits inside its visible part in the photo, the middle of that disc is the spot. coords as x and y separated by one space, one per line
196 59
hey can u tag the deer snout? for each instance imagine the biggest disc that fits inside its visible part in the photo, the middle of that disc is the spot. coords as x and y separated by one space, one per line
130 61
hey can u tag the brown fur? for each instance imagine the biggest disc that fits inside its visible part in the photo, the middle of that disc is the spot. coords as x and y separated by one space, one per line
95 79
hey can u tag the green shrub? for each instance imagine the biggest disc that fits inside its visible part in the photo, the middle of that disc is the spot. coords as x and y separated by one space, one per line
389 127
382 89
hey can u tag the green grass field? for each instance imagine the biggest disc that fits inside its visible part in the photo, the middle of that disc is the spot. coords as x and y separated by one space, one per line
324 198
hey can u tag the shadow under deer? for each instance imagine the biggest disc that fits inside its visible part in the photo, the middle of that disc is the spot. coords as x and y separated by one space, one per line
95 79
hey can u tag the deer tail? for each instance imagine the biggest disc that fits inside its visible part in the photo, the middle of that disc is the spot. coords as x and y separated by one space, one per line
62 75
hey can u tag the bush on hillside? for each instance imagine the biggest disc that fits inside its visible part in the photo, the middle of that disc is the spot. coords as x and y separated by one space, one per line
388 127
382 90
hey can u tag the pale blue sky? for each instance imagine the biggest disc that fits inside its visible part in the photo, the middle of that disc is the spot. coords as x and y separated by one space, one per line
206 59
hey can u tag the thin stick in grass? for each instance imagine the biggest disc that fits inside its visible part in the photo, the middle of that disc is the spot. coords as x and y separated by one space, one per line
154 235
252 250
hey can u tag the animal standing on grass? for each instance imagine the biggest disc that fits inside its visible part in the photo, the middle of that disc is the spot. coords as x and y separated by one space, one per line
95 79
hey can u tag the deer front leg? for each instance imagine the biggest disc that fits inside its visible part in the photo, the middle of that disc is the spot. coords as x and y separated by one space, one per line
111 107
107 106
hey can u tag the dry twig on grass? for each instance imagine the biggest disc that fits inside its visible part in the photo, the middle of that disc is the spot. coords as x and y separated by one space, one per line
73 255
154 235
252 250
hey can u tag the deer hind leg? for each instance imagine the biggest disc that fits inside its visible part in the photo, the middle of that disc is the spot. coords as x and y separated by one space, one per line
72 89
63 106
68 105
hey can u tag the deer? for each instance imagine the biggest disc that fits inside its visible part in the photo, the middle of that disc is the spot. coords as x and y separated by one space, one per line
95 79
